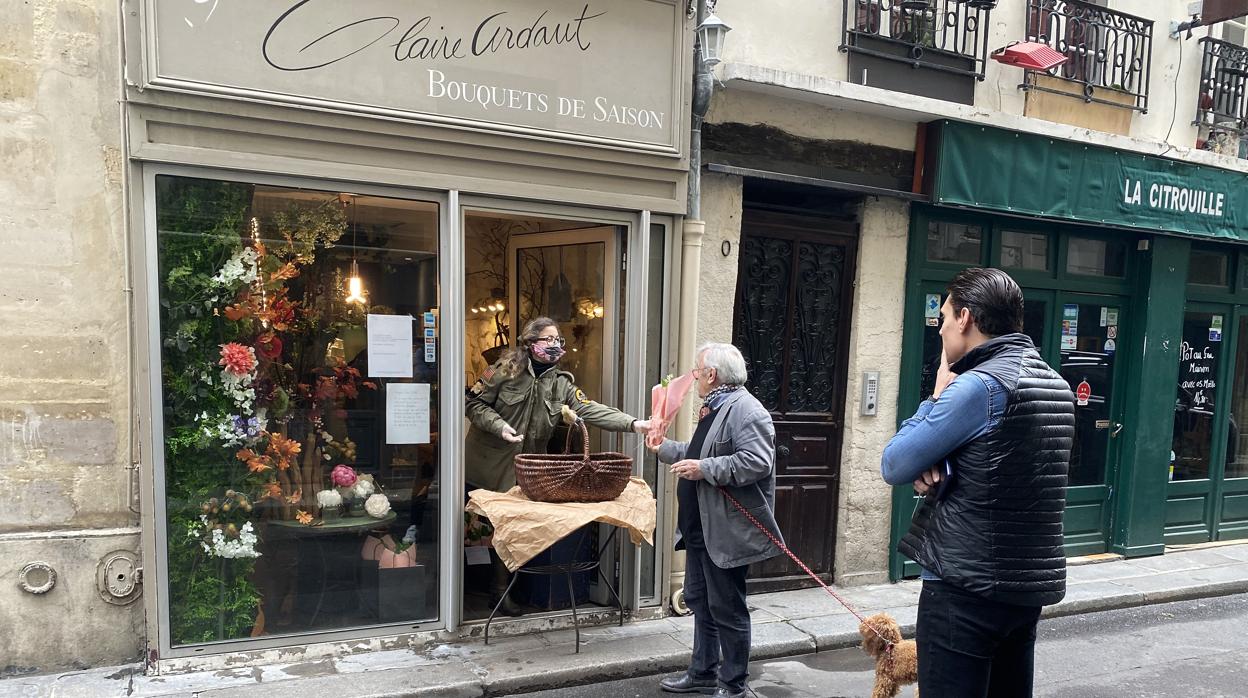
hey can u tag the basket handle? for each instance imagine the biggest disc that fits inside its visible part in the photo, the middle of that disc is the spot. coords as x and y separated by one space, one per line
567 442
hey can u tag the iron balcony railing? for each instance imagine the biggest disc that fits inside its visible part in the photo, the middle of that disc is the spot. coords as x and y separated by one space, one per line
907 30
1109 53
1223 84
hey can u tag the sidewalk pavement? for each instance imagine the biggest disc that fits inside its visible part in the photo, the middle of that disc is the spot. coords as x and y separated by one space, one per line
785 623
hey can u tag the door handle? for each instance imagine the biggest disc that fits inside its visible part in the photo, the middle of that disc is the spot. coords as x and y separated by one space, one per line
783 451
1116 431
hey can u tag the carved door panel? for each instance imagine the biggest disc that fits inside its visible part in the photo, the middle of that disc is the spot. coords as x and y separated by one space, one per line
792 324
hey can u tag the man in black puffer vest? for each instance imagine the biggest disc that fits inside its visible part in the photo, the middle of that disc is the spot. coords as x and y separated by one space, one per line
990 452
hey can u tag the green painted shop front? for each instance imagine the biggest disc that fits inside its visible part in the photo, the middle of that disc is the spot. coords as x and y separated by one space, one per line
1135 291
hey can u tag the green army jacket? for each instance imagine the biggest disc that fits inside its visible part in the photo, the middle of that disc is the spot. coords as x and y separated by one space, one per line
533 407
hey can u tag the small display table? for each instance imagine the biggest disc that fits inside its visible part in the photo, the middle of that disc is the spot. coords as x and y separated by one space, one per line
524 528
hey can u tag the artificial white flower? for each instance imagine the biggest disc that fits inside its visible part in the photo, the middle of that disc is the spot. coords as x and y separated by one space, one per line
239 389
377 506
328 499
219 546
364 487
241 267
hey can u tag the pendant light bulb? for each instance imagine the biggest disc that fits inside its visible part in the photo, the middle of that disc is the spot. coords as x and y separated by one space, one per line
355 285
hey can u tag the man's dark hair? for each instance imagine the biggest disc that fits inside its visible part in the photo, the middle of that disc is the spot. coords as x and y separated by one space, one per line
995 301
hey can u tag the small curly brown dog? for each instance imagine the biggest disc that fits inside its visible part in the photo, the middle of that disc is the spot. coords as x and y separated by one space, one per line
895 665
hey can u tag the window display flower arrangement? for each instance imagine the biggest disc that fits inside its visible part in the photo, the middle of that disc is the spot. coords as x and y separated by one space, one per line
330 502
246 387
223 529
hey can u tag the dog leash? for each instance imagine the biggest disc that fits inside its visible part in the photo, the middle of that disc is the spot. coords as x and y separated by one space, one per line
888 644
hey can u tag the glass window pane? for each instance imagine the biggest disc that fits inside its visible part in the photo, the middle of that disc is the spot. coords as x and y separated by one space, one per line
291 507
1209 268
1024 250
1196 399
1089 352
932 346
1035 320
954 242
1090 257
1237 436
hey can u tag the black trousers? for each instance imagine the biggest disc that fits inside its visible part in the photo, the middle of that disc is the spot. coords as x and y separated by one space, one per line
721 620
972 647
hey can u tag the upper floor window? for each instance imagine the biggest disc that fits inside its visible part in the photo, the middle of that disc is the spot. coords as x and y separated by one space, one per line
1109 53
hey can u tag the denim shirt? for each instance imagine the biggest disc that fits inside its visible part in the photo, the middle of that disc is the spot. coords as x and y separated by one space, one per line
970 406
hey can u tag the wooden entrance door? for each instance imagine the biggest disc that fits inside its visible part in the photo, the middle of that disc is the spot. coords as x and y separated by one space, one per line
792 323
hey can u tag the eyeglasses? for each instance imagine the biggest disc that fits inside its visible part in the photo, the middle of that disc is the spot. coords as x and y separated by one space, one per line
551 340
699 372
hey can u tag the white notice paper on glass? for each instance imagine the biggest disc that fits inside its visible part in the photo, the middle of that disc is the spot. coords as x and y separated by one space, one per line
390 346
407 413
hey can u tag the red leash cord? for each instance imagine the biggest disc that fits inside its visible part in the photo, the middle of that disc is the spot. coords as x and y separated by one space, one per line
785 549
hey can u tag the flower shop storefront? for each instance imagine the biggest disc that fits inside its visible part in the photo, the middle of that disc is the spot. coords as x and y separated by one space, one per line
336 220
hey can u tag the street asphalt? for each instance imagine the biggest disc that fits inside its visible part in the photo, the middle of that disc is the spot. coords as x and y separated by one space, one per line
1187 648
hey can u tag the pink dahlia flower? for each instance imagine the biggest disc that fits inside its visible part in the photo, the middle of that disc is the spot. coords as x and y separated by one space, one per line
342 476
238 359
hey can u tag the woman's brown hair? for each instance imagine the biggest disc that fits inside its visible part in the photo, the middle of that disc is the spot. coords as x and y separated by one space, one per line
517 358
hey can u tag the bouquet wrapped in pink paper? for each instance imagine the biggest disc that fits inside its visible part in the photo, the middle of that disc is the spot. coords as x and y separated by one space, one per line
665 401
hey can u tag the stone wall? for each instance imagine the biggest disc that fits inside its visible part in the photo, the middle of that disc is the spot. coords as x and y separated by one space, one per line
874 345
65 380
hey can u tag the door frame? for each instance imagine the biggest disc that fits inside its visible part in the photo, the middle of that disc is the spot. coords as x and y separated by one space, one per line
819 230
633 392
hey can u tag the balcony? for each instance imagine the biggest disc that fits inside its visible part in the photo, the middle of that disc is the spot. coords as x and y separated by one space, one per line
1109 53
1221 105
931 48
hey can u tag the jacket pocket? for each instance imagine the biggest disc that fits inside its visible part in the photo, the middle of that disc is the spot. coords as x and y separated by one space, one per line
721 448
512 397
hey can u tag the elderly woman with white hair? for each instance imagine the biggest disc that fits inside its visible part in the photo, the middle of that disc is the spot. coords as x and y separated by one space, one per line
733 450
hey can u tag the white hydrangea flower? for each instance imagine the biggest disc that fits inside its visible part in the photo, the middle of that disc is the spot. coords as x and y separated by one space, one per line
377 506
328 499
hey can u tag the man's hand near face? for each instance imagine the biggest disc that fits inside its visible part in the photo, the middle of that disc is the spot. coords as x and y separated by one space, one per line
943 376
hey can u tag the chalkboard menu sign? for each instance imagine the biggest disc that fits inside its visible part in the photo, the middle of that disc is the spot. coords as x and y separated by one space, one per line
1198 370
1197 395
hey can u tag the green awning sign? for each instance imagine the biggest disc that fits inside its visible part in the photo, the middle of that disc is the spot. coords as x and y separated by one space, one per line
985 167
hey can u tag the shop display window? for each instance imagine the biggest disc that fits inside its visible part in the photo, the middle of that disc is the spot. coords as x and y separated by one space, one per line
298 336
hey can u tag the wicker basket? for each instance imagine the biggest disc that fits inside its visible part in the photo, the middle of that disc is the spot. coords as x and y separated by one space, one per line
579 477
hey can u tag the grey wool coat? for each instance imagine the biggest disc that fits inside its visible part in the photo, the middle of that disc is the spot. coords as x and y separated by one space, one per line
739 454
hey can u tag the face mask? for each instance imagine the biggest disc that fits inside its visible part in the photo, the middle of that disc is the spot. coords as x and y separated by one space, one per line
547 353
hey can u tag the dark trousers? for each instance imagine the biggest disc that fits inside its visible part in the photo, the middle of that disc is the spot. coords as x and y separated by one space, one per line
972 647
721 620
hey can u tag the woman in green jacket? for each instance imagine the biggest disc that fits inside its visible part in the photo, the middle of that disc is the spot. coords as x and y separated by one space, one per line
518 402
514 408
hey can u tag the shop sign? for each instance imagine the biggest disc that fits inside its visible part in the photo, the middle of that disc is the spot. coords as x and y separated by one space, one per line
587 70
991 168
